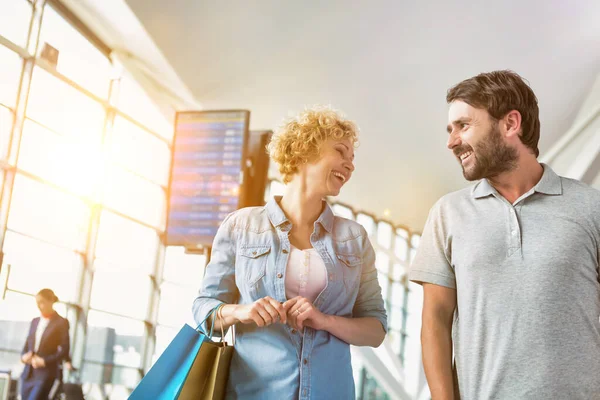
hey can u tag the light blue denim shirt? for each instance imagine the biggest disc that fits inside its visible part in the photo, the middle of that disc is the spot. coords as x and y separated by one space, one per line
249 258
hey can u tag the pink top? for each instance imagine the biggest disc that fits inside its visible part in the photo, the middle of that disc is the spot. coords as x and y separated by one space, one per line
305 274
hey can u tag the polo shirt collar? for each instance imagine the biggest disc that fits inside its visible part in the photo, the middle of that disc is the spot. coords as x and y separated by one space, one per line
549 184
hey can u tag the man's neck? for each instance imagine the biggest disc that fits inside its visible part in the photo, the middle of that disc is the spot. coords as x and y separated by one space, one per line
515 183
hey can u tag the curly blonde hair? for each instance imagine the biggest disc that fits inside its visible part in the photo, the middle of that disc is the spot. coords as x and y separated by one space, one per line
299 140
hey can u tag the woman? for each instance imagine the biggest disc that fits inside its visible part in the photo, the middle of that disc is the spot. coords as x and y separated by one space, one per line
298 282
46 347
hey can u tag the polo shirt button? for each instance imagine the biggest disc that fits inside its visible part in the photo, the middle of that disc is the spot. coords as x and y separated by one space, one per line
280 276
284 251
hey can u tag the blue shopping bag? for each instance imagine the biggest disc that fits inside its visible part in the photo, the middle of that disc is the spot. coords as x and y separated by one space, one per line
182 369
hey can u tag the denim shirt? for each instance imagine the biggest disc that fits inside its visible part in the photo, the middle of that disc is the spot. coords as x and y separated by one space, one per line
248 261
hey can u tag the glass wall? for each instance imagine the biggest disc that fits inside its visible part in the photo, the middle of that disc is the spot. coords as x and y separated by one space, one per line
84 161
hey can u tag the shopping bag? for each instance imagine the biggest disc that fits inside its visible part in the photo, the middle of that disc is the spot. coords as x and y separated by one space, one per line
216 384
187 369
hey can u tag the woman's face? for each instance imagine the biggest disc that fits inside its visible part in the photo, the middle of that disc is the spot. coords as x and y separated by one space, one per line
333 169
44 305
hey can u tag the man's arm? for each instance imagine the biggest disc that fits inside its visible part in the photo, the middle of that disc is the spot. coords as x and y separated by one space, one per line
439 303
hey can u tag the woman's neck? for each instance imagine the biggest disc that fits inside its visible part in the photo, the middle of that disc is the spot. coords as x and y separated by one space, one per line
301 206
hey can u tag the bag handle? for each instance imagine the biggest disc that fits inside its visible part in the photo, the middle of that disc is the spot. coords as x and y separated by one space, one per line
221 321
212 326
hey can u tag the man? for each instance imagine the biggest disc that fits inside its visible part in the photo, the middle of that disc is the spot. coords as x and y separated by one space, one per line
509 266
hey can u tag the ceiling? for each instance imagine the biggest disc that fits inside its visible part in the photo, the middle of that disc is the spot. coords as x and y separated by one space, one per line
386 65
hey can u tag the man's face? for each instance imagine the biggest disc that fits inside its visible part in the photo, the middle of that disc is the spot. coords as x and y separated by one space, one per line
477 142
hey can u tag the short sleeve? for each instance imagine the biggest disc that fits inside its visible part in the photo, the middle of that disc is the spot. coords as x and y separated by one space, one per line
433 261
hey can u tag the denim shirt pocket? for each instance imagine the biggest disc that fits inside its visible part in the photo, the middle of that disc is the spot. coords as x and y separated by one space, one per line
352 270
253 263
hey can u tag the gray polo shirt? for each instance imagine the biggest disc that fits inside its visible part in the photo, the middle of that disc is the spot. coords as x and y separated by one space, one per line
528 292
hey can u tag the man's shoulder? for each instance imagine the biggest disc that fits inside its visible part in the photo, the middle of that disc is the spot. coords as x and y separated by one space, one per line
455 199
581 190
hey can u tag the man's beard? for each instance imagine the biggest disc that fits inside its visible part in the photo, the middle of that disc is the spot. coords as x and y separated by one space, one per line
491 156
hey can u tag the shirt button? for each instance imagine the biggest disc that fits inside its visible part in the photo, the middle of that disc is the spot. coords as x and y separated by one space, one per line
293 331
304 392
514 232
284 251
280 276
305 361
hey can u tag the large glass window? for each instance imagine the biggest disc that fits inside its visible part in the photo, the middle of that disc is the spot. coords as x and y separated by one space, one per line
35 265
135 196
64 109
120 291
45 213
367 222
401 247
113 349
6 124
78 59
135 102
14 21
342 211
74 166
10 74
384 234
139 151
127 244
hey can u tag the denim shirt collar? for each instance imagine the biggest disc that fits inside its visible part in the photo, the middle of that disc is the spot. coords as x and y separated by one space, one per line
278 218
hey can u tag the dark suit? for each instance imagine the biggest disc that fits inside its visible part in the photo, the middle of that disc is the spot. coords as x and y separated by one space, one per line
54 348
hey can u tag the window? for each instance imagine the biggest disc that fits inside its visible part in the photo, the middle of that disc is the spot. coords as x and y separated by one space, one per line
120 291
134 196
384 283
412 349
112 339
6 124
74 166
48 214
78 59
135 102
10 73
415 239
367 222
126 243
176 304
35 265
182 268
342 211
14 24
401 245
164 336
137 150
384 234
64 109
382 262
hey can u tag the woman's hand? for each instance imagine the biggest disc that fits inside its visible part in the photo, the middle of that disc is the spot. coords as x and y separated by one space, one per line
38 362
301 313
26 358
263 312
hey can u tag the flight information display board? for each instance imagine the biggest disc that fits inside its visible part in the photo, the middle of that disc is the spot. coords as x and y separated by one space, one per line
209 150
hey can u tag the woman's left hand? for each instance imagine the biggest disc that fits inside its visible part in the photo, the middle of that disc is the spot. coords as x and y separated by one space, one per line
301 313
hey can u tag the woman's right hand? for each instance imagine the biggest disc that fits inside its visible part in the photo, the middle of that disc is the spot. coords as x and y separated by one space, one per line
263 312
